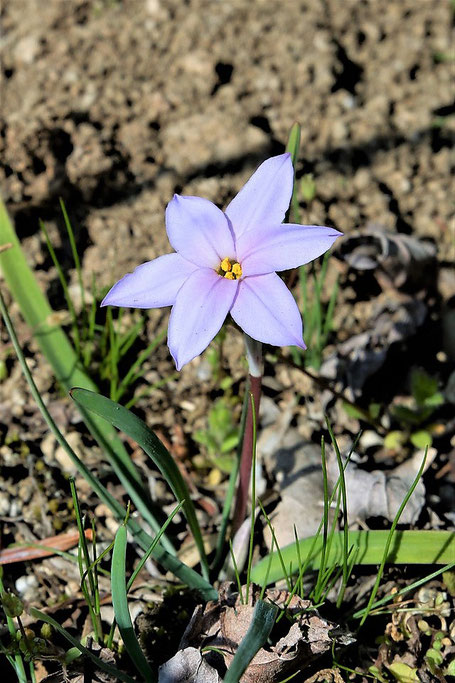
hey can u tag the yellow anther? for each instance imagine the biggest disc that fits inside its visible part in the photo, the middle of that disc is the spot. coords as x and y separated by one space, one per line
230 269
226 266
237 270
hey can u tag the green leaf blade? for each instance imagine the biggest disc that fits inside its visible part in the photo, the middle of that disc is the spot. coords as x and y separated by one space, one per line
407 547
261 625
121 610
293 144
59 352
134 427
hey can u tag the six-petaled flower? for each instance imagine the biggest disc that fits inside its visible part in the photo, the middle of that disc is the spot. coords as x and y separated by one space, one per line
226 262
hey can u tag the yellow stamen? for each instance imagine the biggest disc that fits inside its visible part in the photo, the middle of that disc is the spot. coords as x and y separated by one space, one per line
230 269
226 265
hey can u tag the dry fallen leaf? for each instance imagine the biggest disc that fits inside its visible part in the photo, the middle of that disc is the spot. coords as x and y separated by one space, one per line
393 317
397 259
380 493
43 548
188 666
296 466
223 625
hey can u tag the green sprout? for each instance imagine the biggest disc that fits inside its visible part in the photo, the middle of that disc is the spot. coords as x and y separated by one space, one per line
221 436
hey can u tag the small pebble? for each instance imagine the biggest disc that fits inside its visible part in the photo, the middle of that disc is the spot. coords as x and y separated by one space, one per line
26 585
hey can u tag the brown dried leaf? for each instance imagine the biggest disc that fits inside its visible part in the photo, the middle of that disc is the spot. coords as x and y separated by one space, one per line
22 552
188 666
380 493
393 318
397 259
223 625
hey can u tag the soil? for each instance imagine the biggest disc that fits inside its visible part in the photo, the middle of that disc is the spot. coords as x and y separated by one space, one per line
115 105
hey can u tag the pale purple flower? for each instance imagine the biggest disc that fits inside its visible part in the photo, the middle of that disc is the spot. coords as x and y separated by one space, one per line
226 262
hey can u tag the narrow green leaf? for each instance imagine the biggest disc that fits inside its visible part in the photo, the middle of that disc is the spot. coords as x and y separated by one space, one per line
120 604
389 539
407 547
409 588
60 354
16 662
286 574
154 543
262 622
134 371
91 592
169 562
35 307
77 263
345 508
293 144
64 285
134 427
293 147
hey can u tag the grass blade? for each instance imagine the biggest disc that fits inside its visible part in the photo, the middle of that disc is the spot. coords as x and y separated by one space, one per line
134 371
35 308
259 630
406 547
406 589
345 511
120 603
390 535
64 285
169 562
150 550
134 427
60 354
76 260
293 147
286 573
16 661
91 593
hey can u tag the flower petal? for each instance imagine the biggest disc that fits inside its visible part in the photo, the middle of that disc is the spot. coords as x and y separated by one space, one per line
199 231
265 197
266 310
267 249
200 309
152 285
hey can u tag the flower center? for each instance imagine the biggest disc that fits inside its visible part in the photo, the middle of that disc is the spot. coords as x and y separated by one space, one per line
232 270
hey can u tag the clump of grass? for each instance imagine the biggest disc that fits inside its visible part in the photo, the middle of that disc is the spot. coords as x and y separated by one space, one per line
101 347
317 315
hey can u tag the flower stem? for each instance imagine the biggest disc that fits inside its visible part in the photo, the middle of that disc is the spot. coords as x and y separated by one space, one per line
254 357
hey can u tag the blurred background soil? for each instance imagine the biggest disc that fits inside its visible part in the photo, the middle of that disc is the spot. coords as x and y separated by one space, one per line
114 105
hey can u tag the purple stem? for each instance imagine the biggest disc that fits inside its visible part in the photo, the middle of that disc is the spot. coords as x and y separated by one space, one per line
254 355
